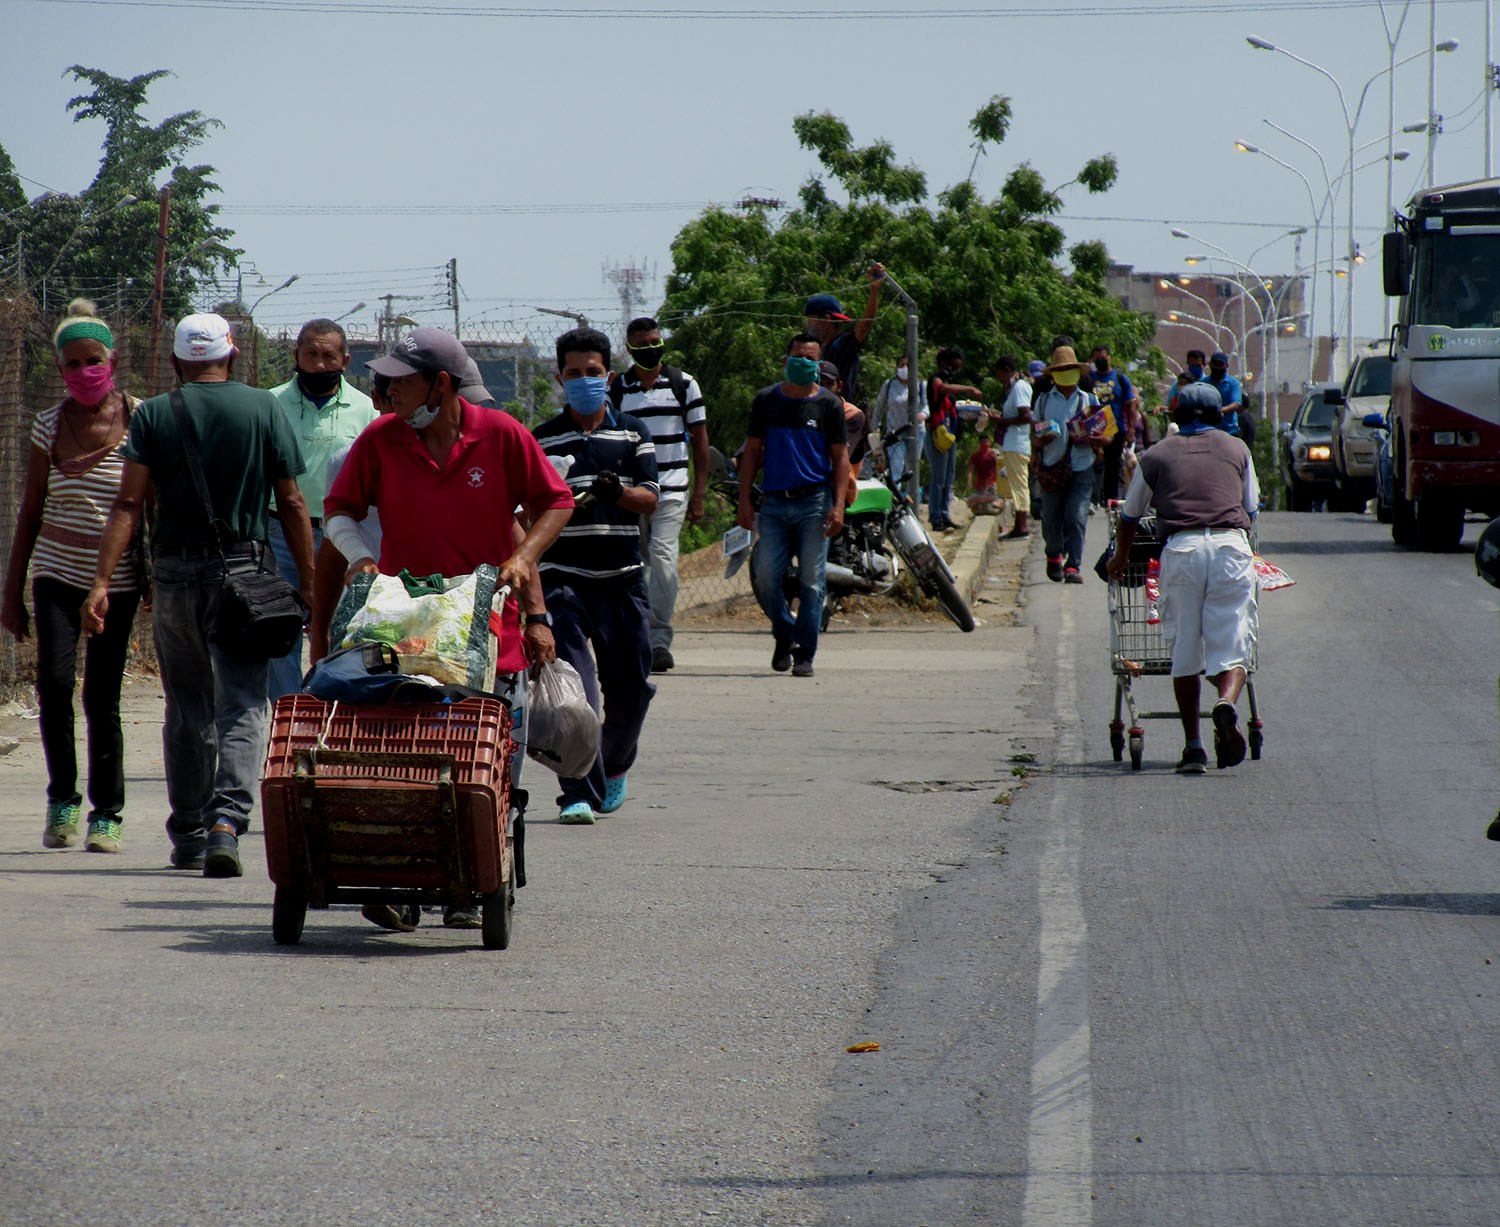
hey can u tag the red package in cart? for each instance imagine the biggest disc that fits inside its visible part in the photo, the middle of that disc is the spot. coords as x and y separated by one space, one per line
1153 592
1271 577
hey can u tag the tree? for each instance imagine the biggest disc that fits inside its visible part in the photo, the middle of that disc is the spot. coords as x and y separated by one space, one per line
102 242
988 275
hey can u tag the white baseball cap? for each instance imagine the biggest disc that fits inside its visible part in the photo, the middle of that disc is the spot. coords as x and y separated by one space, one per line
202 338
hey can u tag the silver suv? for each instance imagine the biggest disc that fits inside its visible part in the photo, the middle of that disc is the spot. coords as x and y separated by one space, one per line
1366 390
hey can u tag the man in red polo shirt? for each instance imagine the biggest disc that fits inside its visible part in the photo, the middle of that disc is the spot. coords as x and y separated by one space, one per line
447 477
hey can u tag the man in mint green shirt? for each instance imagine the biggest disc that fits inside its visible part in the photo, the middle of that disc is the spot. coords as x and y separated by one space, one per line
326 414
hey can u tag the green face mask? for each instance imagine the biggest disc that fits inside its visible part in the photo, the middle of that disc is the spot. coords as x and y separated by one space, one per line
802 371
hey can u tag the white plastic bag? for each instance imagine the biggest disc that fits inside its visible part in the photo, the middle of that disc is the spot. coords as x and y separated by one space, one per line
562 727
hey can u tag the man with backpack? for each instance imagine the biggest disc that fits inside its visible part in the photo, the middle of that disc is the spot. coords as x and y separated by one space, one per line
670 405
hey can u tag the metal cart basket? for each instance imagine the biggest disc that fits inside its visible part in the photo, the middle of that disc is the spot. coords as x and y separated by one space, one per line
402 804
1137 648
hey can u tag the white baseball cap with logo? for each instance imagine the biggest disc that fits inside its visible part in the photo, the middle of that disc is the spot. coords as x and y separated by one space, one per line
202 338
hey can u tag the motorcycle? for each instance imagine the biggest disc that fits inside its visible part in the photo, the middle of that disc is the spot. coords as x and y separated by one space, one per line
881 532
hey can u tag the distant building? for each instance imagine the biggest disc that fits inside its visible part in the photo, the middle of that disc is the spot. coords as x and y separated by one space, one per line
1195 309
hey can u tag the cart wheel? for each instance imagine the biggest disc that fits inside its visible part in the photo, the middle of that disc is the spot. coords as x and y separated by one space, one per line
288 914
1256 739
1117 743
496 917
1137 746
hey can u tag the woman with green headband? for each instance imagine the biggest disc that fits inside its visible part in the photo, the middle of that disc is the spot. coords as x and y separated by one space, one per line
72 479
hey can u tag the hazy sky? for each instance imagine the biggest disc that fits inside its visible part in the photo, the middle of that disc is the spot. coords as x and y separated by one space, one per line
366 142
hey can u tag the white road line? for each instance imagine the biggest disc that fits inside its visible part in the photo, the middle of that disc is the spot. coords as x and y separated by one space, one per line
1059 1152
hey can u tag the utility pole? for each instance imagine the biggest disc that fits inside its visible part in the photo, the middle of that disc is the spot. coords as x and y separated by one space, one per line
160 287
630 283
1433 118
1489 82
453 291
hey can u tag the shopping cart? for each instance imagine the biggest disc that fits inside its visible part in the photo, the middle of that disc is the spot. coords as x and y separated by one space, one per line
402 804
1137 649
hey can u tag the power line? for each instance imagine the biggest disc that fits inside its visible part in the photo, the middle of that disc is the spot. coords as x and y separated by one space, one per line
407 8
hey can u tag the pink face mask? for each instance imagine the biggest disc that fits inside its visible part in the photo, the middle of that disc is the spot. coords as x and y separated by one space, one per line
89 385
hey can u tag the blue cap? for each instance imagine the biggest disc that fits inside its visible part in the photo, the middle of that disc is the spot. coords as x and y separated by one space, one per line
1220 357
825 305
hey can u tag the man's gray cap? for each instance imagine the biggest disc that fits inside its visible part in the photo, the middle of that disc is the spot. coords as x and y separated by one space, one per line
471 386
1203 399
427 350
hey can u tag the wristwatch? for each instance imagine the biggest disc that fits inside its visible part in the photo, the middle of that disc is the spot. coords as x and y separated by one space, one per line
539 619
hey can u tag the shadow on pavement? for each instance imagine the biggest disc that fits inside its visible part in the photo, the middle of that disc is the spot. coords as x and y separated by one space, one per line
1458 904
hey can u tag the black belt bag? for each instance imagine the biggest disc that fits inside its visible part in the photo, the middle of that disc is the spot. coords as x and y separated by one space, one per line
261 616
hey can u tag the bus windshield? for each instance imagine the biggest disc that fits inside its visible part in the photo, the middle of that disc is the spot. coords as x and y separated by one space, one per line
1453 278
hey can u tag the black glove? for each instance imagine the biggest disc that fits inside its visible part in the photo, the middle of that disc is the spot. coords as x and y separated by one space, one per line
607 487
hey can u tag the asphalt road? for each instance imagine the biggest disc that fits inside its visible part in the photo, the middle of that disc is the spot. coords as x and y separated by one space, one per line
1263 996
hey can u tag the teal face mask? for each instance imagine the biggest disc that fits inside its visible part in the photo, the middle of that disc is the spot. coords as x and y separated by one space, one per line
802 371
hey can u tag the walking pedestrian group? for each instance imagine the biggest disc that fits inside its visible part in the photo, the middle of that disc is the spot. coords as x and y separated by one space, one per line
582 517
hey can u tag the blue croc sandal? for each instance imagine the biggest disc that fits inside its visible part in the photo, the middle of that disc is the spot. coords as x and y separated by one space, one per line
615 789
579 814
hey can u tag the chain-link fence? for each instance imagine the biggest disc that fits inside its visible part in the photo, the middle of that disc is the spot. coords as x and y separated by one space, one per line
516 358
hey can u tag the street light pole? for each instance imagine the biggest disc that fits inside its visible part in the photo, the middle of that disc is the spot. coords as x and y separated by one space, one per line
1351 122
268 293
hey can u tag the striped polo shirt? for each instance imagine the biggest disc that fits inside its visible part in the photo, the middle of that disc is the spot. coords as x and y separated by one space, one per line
601 541
67 547
668 420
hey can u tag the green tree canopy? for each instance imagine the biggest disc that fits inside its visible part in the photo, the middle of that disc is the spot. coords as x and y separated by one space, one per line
101 243
990 276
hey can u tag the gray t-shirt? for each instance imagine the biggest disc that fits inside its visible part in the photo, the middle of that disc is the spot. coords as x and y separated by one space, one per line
1198 480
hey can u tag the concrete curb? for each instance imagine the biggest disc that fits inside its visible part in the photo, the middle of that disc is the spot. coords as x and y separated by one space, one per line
972 561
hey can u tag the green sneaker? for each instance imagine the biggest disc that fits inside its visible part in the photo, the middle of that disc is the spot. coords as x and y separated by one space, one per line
62 825
104 835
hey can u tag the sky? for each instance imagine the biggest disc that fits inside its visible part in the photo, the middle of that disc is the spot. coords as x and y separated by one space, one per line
365 143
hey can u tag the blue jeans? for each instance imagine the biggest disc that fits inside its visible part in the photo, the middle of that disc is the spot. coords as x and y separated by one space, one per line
285 673
214 738
1065 518
792 526
610 616
940 488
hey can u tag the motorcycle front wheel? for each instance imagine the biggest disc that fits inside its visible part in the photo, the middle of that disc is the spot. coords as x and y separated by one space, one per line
953 602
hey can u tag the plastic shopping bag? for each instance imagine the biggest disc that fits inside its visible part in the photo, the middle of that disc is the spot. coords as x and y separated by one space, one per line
1270 577
562 727
441 627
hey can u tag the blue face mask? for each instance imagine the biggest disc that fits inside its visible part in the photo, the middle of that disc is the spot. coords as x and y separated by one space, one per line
586 393
802 371
1195 371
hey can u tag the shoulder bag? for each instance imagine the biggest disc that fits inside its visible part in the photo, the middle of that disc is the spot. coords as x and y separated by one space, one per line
261 616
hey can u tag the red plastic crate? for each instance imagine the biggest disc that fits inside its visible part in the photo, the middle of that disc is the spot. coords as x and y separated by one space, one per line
474 732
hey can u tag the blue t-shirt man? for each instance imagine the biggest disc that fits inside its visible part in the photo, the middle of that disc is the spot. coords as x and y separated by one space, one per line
1231 395
798 435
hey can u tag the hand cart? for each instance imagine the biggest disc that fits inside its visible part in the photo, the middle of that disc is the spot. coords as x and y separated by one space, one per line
1137 648
403 804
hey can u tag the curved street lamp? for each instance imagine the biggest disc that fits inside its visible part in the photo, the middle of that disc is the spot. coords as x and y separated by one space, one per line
1351 122
268 294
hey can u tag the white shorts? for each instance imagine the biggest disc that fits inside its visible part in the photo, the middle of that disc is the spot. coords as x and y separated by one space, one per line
1209 618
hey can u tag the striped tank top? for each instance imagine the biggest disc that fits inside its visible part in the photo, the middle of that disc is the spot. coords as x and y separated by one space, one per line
67 547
